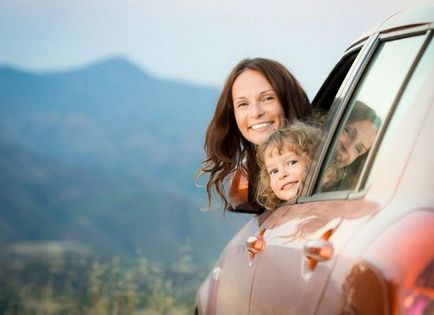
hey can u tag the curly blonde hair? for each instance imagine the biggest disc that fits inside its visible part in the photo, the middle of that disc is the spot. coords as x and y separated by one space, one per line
298 137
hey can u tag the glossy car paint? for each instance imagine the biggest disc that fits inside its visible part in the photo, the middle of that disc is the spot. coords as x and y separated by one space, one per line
388 255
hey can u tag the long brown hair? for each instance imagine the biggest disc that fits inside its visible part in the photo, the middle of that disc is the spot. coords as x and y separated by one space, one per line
225 147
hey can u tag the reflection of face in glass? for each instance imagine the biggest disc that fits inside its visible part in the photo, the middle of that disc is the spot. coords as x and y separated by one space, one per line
355 139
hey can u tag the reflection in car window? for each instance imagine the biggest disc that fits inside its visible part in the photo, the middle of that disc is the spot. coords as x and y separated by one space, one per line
367 111
422 70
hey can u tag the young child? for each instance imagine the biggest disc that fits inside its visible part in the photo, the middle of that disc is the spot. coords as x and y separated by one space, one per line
284 159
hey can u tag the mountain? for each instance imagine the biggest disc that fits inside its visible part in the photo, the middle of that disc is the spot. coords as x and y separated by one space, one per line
110 114
105 157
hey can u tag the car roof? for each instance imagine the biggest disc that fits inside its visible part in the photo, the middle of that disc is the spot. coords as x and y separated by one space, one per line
418 15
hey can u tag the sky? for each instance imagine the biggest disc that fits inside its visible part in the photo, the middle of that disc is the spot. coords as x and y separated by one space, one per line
197 41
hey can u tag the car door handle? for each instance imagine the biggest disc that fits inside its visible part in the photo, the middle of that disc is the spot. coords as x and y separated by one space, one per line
256 244
319 250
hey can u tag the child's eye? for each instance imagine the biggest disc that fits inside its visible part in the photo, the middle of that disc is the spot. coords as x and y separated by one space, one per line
273 171
292 162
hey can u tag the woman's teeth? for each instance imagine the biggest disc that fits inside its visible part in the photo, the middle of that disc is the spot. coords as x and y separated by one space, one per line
261 125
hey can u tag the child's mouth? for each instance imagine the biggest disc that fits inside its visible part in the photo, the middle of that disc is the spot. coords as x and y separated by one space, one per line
289 185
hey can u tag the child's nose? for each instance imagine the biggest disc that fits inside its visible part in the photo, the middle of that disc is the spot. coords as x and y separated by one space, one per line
283 174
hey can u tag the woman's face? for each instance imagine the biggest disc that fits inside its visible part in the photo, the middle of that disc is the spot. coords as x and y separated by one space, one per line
355 139
257 109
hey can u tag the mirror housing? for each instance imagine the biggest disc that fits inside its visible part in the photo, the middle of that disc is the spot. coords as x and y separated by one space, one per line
247 208
239 195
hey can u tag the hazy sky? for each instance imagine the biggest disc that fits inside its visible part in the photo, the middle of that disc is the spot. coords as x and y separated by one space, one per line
194 40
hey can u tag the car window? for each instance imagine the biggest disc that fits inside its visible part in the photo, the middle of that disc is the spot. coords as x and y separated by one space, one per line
324 98
366 112
397 143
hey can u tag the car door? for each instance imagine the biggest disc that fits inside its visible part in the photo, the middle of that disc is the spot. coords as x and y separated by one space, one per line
233 276
303 245
228 287
380 270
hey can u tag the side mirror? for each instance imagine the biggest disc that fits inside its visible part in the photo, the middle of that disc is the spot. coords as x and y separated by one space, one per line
247 208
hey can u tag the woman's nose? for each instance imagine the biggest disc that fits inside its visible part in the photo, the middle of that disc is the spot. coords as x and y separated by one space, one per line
256 110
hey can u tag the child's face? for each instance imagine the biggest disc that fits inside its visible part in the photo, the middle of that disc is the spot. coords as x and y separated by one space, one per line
287 171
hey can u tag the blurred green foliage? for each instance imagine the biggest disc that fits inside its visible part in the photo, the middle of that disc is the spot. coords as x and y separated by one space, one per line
52 285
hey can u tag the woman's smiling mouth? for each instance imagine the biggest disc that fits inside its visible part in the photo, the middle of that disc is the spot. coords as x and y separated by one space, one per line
262 125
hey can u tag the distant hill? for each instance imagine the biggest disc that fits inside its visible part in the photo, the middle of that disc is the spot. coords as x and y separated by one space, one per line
105 156
110 114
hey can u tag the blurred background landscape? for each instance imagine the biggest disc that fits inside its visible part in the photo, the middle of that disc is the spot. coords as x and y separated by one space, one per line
97 165
103 111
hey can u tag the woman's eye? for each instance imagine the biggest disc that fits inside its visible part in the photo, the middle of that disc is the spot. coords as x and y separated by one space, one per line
242 104
268 99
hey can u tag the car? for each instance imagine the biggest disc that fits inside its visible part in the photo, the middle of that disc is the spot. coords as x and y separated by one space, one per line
365 243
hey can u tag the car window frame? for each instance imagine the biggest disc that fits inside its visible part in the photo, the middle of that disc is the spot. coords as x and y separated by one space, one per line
360 188
339 108
335 114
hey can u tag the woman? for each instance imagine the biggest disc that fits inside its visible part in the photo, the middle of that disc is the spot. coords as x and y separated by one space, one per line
257 98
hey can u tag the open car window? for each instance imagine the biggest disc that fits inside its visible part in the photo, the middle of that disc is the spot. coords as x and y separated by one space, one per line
326 95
